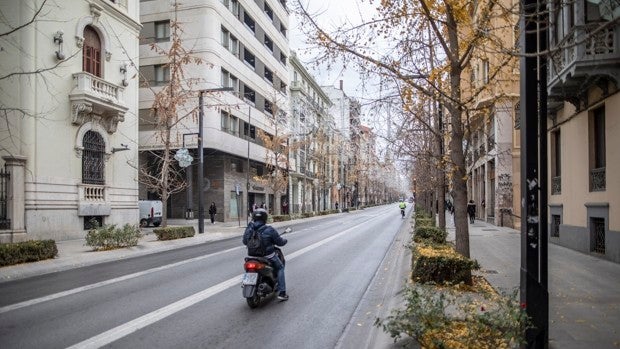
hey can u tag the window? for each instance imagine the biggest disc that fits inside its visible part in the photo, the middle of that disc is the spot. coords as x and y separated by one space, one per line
229 80
232 6
237 165
229 123
249 22
485 71
230 42
249 95
93 158
597 232
268 107
556 163
91 222
249 130
283 29
268 43
268 11
283 87
224 121
555 225
283 59
162 31
249 58
161 74
91 52
597 149
147 120
268 75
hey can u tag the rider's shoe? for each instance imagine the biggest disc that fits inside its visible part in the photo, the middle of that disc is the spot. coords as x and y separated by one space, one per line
283 296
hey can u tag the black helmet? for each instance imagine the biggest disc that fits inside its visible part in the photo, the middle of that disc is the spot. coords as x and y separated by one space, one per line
260 214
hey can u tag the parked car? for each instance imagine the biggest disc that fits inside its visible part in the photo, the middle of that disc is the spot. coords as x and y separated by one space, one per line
150 212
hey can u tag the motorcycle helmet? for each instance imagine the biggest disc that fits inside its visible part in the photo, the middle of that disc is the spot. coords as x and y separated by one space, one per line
260 214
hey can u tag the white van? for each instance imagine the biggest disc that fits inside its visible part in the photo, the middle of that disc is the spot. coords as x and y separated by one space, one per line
150 212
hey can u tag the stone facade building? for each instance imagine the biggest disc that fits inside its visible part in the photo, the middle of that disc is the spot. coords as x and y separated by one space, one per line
69 129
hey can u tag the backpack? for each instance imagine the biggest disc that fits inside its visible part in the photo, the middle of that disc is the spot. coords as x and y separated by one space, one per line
255 243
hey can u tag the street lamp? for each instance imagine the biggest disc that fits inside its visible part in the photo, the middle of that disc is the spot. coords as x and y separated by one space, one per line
201 209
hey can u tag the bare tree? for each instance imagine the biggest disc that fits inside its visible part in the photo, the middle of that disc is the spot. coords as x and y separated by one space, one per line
160 172
427 49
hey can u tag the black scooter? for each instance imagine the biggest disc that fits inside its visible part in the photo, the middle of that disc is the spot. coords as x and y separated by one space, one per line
260 280
402 212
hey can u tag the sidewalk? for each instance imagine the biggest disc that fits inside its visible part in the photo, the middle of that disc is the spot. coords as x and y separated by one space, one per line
584 296
75 253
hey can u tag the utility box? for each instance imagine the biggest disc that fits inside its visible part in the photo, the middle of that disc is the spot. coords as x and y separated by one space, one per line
150 212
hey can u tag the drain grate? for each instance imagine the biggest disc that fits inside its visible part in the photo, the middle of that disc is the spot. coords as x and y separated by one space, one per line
488 271
489 229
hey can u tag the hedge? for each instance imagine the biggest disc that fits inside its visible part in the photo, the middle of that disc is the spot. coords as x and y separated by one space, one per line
27 251
109 237
281 218
430 234
171 233
441 264
424 222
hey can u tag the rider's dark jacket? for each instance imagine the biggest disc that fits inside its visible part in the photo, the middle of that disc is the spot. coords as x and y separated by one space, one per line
269 236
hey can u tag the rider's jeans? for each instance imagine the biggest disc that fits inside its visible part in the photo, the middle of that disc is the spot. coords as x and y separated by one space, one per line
277 264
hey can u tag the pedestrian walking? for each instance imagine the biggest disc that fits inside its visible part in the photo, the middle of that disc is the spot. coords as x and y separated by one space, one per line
212 212
471 210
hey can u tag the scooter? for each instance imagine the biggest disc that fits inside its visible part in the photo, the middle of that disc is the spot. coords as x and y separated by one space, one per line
402 212
260 280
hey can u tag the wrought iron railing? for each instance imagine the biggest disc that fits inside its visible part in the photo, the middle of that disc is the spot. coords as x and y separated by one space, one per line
597 179
556 185
555 228
5 221
598 234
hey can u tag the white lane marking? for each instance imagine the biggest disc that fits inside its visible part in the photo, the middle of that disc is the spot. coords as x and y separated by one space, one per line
132 326
108 282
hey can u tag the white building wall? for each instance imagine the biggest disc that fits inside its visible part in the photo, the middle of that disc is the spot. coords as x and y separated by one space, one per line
46 136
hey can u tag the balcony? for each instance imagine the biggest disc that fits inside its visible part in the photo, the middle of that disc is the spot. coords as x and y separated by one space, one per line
94 99
586 55
92 200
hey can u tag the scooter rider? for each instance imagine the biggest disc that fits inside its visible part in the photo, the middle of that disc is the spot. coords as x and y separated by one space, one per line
269 238
402 205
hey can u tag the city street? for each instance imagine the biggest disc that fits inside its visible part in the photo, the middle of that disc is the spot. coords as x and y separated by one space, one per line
191 297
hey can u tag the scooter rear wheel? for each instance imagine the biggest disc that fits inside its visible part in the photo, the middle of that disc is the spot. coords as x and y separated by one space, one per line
253 301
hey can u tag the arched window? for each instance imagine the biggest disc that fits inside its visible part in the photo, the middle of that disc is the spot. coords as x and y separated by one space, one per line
91 54
92 158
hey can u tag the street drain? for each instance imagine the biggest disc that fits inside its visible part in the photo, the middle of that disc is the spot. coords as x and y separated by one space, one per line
488 271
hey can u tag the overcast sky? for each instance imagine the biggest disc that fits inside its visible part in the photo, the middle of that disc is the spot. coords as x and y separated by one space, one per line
331 13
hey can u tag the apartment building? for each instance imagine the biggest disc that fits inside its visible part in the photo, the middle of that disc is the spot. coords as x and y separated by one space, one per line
493 142
69 125
346 111
313 143
242 46
584 164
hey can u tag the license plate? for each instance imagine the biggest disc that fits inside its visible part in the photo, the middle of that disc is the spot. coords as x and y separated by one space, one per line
249 279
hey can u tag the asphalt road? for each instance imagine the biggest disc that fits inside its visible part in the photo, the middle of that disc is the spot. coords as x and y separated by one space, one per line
339 271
